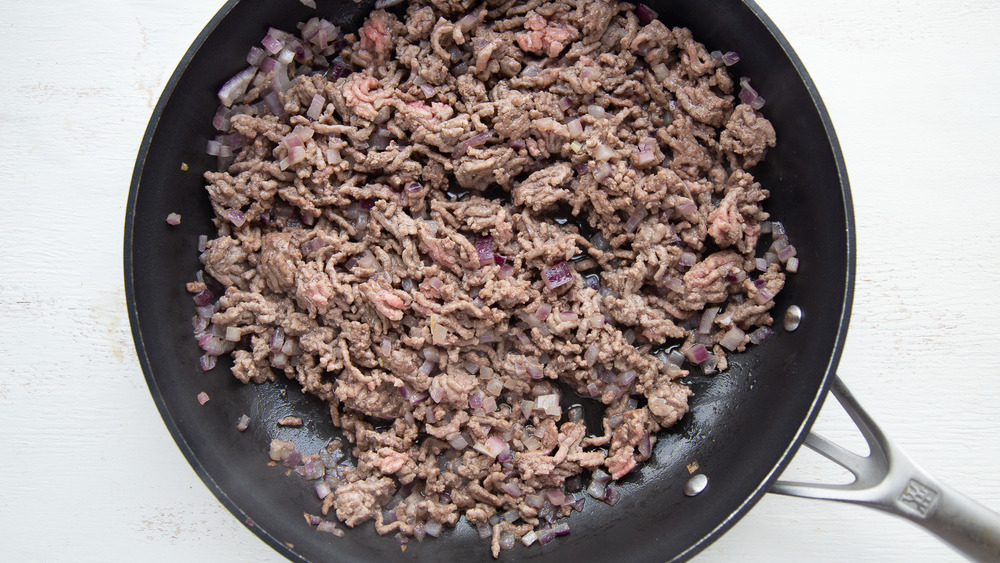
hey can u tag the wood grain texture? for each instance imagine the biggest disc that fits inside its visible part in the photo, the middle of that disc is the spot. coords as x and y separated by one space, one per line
91 474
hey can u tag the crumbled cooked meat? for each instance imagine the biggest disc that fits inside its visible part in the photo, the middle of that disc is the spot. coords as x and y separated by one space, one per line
294 421
441 223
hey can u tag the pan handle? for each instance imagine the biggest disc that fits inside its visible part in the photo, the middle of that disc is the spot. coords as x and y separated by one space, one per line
887 479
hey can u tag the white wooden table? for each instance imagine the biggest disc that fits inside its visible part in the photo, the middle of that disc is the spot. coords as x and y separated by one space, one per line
89 473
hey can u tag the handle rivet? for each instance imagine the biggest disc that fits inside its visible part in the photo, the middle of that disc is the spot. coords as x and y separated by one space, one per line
793 317
695 485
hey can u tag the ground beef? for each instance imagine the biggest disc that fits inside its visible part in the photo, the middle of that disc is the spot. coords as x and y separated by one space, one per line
443 223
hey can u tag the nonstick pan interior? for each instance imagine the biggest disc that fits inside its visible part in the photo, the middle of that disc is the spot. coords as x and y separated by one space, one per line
744 425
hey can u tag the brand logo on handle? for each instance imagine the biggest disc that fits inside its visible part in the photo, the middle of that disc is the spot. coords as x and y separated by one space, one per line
917 498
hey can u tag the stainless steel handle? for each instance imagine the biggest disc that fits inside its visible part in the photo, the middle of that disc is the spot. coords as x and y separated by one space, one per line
887 479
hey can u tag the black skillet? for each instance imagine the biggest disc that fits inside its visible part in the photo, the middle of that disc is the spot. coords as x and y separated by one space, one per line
744 425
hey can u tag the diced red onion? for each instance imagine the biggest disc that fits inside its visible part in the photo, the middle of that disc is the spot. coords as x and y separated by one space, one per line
207 310
233 333
633 221
761 334
484 248
202 243
645 14
546 536
330 528
763 296
529 538
505 456
729 58
737 277
603 152
602 170
212 147
687 259
323 490
575 128
590 356
645 157
556 497
492 447
596 490
212 345
516 144
274 104
489 405
338 69
750 96
236 217
280 82
507 540
203 297
294 458
600 476
626 378
546 402
381 4
274 40
457 441
792 265
686 207
499 259
596 111
611 495
568 316
645 445
786 253
707 318
277 340
534 500
207 362
432 528
203 397
475 401
279 360
315 107
236 86
243 423
255 55
732 339
558 275
697 353
268 64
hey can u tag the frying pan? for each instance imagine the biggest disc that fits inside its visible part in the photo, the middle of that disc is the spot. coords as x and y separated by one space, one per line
744 425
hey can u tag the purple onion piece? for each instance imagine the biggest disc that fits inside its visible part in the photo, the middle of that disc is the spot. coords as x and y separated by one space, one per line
645 14
558 275
484 248
203 297
293 459
207 362
697 353
546 536
611 495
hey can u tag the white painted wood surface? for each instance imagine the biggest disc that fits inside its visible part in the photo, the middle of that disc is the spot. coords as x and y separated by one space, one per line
89 472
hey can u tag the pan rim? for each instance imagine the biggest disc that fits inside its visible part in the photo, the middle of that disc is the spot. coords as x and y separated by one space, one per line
697 546
172 427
